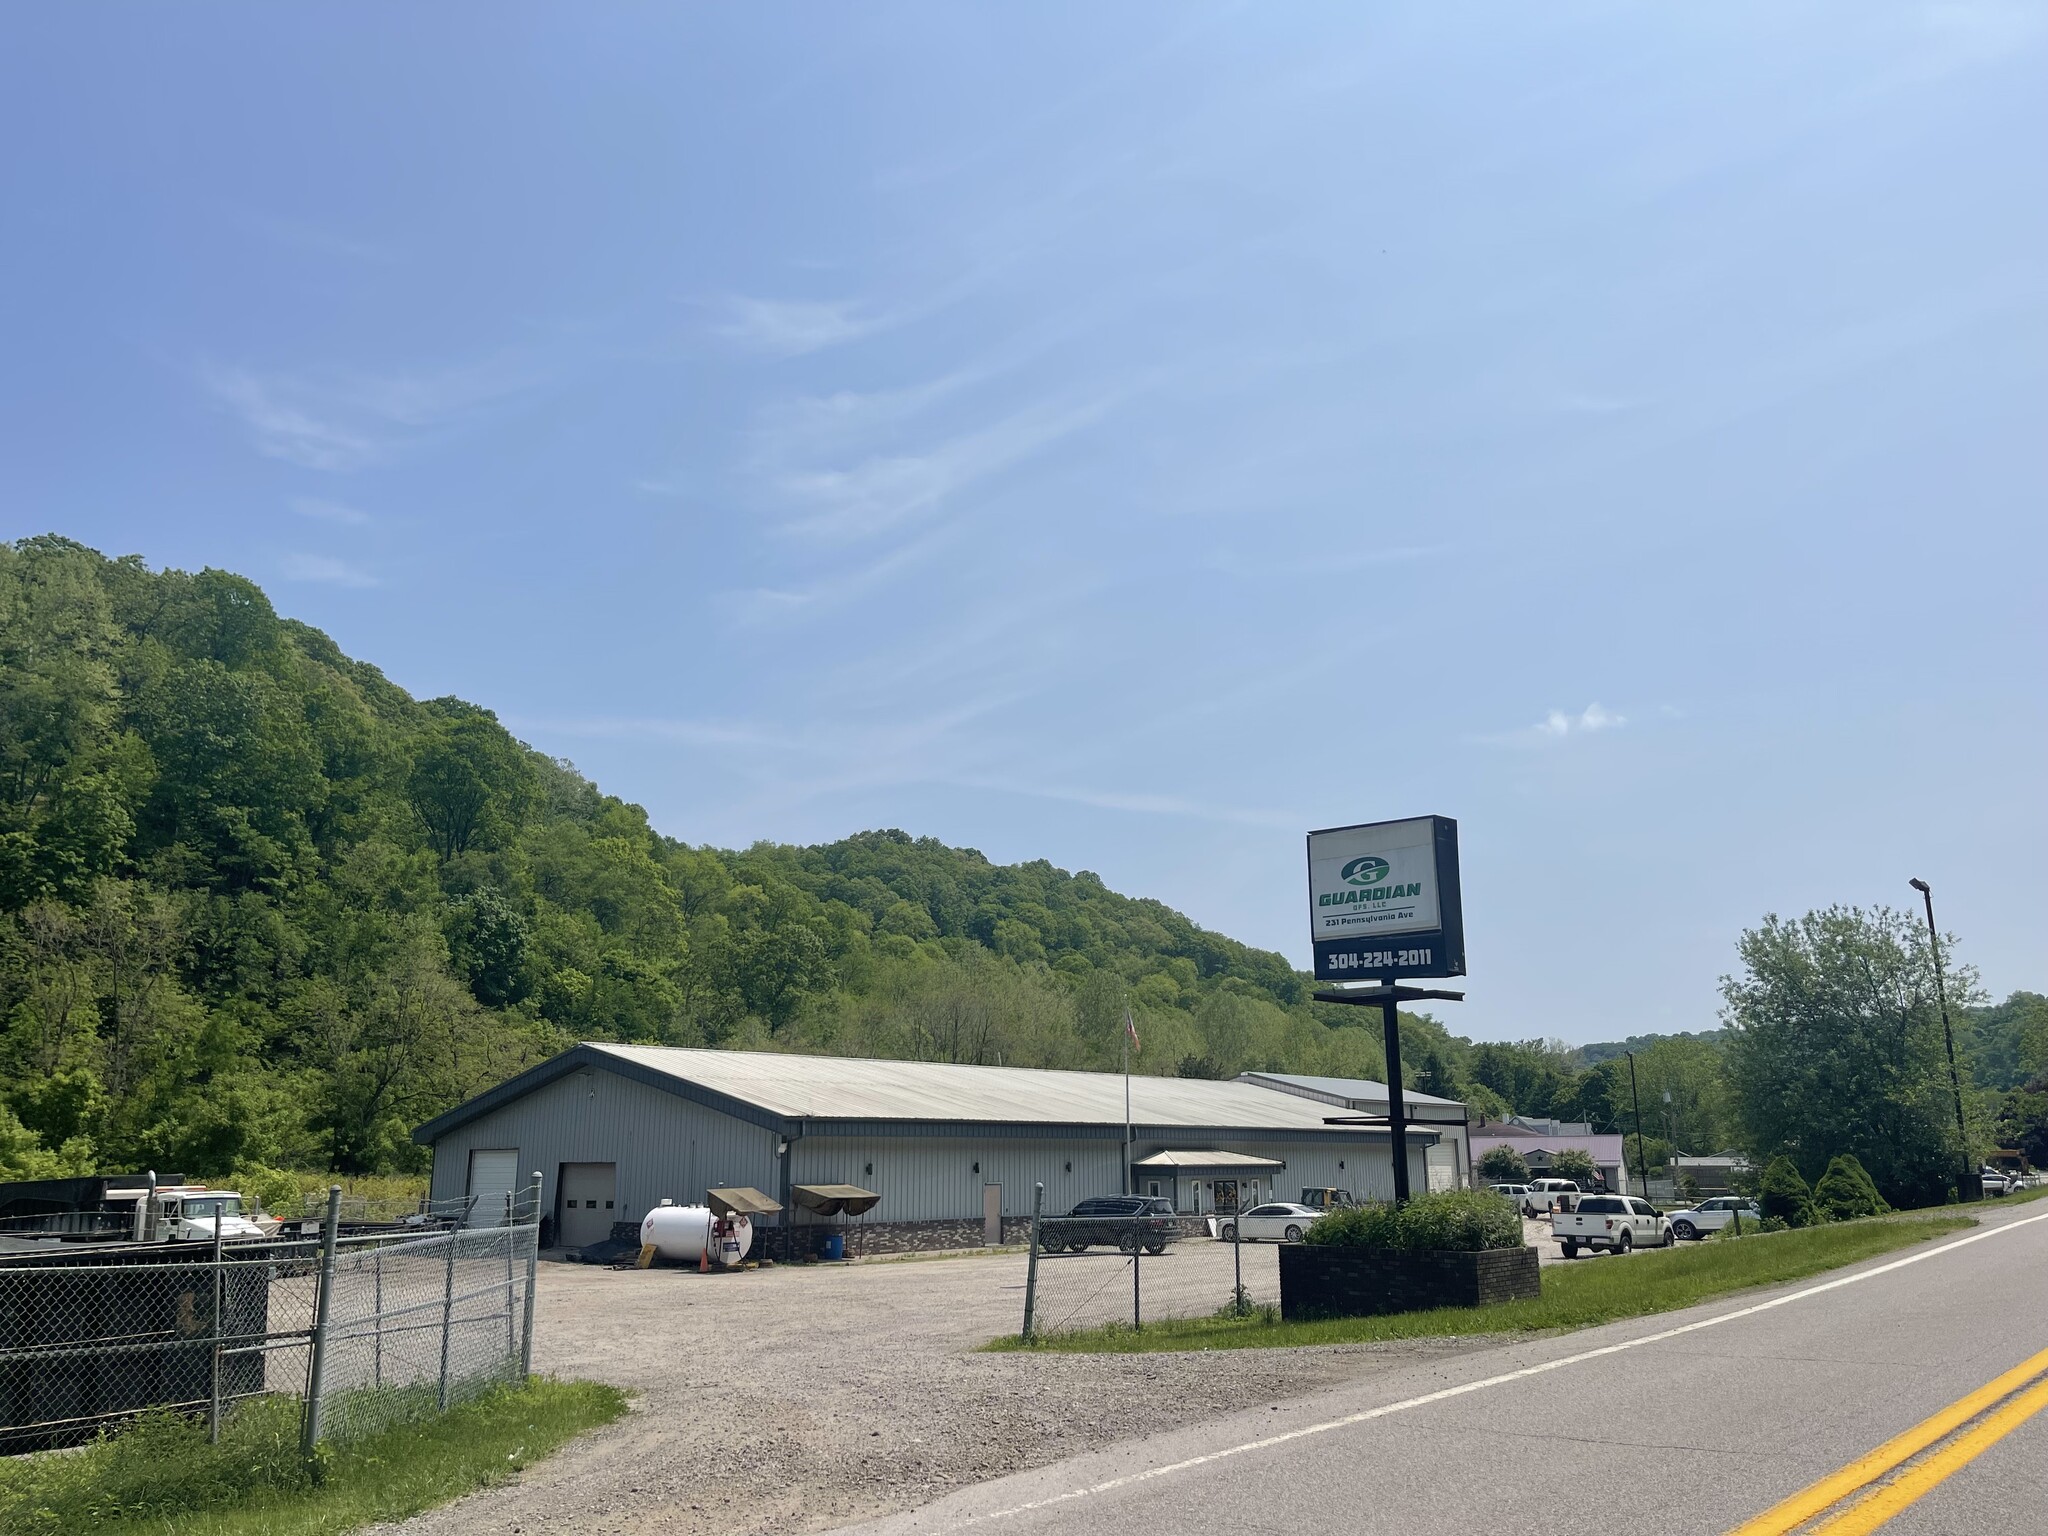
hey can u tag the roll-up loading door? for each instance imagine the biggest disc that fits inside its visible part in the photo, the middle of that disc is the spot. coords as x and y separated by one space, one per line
493 1174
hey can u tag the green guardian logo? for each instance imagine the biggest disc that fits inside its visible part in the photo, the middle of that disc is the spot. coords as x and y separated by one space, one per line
1366 874
1370 870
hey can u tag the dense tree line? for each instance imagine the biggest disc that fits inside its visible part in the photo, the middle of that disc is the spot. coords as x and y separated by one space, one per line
257 904
260 906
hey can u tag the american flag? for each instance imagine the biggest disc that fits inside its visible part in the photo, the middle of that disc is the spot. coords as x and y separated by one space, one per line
1131 1029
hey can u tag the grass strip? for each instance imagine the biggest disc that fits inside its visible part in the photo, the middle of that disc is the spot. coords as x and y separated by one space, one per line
1580 1295
160 1475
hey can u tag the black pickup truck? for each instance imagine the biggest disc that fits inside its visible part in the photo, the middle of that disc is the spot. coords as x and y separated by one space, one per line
1123 1222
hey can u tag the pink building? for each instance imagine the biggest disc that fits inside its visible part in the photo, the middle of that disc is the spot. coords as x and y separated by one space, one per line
1541 1140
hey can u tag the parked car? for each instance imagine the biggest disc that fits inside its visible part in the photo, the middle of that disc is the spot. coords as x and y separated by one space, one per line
1612 1224
1712 1215
1278 1221
1542 1195
1998 1181
1514 1192
1123 1222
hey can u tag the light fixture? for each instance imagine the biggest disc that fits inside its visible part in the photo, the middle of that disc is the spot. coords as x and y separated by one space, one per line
781 1148
977 1167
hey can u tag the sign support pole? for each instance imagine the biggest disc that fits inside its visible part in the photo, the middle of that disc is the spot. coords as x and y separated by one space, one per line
1388 996
1397 1105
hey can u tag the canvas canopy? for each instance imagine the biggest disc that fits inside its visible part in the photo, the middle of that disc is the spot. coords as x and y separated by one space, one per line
741 1202
1208 1159
834 1199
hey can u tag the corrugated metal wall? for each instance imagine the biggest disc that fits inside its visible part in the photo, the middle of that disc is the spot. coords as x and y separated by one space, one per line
939 1178
667 1147
664 1146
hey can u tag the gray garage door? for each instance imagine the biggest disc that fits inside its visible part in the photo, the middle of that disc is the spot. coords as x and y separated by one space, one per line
589 1193
493 1173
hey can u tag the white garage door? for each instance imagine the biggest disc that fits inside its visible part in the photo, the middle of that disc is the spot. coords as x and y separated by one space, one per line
492 1176
1442 1162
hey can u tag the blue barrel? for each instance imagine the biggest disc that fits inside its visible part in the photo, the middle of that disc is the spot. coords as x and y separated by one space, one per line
835 1245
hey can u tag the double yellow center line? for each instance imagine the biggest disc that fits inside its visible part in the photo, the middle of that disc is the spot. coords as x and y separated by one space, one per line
1866 1493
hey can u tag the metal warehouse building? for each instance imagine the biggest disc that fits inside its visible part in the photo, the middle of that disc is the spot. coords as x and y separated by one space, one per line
952 1150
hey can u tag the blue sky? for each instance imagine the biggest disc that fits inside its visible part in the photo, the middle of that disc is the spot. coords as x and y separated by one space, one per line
1128 436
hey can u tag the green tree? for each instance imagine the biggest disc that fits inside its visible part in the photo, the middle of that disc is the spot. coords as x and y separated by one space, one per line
1575 1165
1786 1195
470 783
1846 1191
1835 1046
1503 1165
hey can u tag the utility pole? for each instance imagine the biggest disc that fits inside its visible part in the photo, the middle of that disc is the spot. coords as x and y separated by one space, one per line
1642 1158
1971 1186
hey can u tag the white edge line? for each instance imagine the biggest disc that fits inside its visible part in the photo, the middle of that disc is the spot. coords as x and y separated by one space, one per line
1494 1381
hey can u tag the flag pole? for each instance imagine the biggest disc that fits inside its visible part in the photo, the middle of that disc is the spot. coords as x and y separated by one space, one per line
1130 1039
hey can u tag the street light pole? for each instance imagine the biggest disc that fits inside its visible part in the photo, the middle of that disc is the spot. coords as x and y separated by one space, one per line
1948 1036
1642 1158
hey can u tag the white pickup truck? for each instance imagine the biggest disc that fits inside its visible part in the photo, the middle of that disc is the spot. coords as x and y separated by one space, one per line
1544 1195
1611 1224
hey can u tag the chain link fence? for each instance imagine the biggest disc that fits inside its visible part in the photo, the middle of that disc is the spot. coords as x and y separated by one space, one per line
366 1329
1088 1271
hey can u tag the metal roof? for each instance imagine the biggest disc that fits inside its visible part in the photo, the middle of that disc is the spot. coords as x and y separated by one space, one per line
1347 1090
861 1088
850 1095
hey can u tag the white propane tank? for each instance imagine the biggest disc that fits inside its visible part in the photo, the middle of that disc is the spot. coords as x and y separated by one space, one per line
679 1233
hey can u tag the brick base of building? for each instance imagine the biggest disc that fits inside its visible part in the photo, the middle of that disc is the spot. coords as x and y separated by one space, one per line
1317 1281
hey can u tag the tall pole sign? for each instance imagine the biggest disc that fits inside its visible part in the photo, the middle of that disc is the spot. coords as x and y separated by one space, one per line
1383 900
1383 903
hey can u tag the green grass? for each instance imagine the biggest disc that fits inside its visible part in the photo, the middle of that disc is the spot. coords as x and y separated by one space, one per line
160 1476
1593 1290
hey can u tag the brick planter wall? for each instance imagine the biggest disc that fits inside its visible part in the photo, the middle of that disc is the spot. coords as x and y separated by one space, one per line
1363 1282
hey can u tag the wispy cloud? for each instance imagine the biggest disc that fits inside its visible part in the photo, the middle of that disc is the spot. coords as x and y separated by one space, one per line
882 492
793 327
327 569
338 422
286 430
1557 724
1141 803
331 512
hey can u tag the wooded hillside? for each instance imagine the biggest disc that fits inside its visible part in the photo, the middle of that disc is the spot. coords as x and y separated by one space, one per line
257 904
260 906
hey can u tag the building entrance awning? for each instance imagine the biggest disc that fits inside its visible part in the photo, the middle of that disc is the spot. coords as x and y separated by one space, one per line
741 1202
834 1199
1199 1162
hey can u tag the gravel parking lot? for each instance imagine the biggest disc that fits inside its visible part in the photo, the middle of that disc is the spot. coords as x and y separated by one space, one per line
799 1399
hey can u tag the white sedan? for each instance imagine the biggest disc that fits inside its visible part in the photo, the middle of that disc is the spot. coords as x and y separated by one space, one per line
1280 1221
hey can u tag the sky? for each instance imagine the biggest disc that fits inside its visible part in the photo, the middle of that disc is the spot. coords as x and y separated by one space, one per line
1129 436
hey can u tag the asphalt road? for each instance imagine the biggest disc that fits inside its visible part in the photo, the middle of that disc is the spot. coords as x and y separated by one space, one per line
1697 1422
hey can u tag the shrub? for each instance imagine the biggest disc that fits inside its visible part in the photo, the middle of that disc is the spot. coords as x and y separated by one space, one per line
1785 1194
1504 1165
1846 1191
1459 1220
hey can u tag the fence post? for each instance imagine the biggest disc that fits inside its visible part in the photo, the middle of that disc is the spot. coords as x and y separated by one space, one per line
447 1316
1031 1263
1137 1249
1237 1296
377 1297
511 1284
219 1293
532 1273
316 1372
